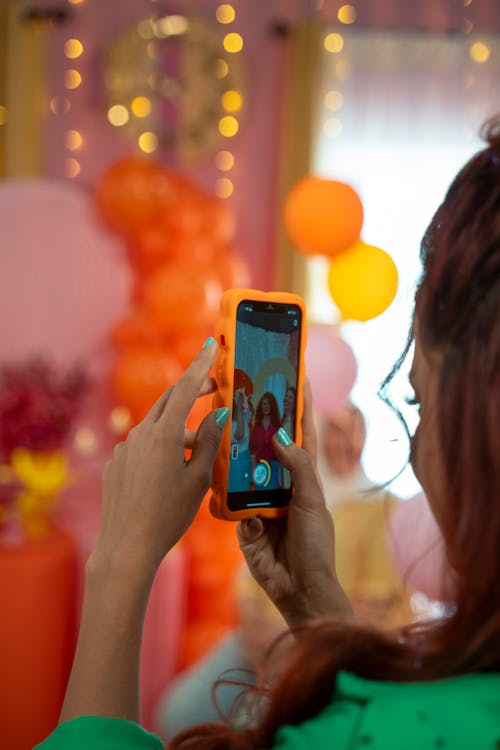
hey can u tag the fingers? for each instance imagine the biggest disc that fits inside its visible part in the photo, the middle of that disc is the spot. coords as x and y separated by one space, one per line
186 391
308 493
309 438
249 530
205 445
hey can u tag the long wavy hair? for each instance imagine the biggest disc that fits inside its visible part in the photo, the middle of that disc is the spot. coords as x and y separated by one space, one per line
457 308
275 412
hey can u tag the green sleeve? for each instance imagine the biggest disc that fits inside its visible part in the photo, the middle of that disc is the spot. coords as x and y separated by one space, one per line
99 733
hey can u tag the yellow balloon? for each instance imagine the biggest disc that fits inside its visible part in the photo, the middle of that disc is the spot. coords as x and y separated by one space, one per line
363 281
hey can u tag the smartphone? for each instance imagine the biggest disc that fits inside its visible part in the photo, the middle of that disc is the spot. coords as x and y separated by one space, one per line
260 376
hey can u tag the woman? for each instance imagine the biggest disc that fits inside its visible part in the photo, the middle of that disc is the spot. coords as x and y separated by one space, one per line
434 684
265 425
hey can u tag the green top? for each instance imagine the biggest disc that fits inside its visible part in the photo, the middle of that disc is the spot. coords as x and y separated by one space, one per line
459 713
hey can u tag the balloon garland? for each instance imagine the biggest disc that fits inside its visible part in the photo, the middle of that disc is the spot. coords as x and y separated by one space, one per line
179 244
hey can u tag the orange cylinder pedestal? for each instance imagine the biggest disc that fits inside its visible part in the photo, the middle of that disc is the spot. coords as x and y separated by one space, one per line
37 626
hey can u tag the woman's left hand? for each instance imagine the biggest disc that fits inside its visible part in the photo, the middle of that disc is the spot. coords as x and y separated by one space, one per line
151 493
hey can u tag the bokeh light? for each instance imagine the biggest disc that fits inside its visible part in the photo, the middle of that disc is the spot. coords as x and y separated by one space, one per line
347 14
221 68
232 101
73 140
59 105
332 127
72 78
224 187
224 160
479 52
141 106
72 167
334 42
73 48
228 126
85 442
120 420
225 13
333 100
233 42
118 115
148 142
4 114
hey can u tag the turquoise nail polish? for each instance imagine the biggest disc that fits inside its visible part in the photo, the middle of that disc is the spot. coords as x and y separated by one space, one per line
222 415
209 341
283 437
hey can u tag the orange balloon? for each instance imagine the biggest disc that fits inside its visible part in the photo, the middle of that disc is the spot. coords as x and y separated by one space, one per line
139 377
180 298
136 191
136 331
151 246
322 217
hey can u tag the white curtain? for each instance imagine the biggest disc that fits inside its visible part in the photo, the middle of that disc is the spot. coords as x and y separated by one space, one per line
403 118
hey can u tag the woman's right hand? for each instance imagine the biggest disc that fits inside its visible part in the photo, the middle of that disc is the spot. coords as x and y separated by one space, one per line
293 558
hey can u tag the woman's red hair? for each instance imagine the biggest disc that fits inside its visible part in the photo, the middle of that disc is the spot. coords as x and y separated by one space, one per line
457 308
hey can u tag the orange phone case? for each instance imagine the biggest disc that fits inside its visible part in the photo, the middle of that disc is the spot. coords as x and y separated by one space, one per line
224 376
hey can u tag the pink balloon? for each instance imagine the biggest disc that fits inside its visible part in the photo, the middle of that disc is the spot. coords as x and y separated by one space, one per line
416 548
64 278
331 368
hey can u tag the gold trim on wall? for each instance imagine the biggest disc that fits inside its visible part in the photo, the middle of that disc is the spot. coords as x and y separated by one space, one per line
302 76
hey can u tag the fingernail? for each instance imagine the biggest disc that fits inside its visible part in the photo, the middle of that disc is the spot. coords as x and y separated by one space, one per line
209 341
222 415
283 438
252 527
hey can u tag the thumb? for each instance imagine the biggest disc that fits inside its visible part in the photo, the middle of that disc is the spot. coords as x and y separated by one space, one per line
206 443
308 493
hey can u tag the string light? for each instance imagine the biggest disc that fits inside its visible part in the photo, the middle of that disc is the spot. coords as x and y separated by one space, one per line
228 126
334 42
119 420
233 42
332 127
148 142
221 68
72 168
225 13
118 115
467 26
170 26
4 114
333 100
72 79
347 14
59 105
224 187
73 48
85 442
73 139
141 106
232 101
479 52
145 29
224 160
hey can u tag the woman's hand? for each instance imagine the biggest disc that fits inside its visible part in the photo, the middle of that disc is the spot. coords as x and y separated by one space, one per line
293 558
151 494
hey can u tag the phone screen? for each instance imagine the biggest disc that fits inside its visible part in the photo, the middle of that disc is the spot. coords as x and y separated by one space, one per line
264 399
